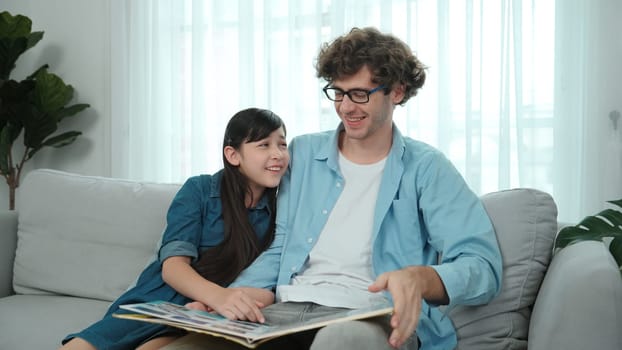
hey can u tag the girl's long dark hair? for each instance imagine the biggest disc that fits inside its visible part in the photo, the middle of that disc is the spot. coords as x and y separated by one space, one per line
221 264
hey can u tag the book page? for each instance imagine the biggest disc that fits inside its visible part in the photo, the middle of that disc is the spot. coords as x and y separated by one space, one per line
249 334
197 318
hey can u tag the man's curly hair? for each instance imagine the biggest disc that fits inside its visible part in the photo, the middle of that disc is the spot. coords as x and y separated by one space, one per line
389 59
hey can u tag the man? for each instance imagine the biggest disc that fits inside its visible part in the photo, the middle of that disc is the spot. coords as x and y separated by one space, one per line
366 213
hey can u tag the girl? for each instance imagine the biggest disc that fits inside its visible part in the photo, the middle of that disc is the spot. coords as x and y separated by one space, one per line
216 226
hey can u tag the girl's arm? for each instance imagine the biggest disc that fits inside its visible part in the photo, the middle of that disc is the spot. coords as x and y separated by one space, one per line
263 296
233 303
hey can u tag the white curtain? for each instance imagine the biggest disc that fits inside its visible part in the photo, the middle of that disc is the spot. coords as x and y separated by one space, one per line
512 96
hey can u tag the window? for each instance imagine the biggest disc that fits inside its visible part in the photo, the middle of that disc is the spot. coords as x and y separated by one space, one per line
489 102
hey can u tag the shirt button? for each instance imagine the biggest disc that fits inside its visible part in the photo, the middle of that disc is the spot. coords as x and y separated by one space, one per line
309 240
324 211
338 184
293 268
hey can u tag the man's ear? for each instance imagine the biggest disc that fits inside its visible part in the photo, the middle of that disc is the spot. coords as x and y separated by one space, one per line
232 155
398 93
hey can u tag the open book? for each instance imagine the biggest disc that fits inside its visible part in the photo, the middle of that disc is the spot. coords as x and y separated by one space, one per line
248 334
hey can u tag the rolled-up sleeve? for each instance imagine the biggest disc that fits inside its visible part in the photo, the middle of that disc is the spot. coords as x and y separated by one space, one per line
178 248
182 236
460 228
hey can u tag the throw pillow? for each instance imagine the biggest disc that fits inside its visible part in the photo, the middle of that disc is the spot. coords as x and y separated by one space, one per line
525 221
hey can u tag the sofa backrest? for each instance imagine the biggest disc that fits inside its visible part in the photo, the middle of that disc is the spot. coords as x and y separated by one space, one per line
91 236
86 236
525 221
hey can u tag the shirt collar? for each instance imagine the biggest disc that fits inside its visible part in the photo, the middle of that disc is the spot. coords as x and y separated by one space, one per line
330 150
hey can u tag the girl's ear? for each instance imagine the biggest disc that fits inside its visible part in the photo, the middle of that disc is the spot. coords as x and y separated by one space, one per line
232 155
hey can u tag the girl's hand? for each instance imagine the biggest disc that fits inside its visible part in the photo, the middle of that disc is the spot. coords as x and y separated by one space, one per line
232 303
197 305
264 296
236 304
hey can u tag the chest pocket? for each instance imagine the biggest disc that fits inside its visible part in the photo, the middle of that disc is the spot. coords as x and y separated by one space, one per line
403 233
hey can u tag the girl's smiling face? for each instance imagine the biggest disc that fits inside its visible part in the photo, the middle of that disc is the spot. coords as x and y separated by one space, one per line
263 162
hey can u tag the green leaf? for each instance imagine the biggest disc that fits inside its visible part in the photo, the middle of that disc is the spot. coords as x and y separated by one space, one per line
37 127
5 148
616 202
48 99
607 223
51 93
615 247
63 139
572 234
614 216
70 111
10 50
14 101
15 39
14 26
58 141
33 151
34 74
596 224
8 133
34 38
11 132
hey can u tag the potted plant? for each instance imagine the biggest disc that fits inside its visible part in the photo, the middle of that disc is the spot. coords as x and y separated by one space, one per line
31 108
605 224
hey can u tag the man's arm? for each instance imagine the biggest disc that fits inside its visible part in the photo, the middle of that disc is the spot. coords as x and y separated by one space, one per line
264 271
460 230
458 227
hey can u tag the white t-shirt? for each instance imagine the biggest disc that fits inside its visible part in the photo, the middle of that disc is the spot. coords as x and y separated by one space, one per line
338 270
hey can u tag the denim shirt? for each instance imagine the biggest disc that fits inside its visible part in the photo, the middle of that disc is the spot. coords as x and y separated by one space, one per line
194 218
425 214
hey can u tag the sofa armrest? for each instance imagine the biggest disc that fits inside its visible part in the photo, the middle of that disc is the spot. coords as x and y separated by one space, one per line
8 244
579 305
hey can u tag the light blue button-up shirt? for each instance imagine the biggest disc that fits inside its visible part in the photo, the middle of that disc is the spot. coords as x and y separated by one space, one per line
425 215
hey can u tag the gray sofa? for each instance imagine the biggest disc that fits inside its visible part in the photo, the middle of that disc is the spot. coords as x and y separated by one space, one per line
76 242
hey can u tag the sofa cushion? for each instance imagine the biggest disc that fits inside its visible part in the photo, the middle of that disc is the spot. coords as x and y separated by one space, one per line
582 281
41 321
86 236
525 221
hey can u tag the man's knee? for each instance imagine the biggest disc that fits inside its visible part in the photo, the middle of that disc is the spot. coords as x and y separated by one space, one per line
351 335
196 341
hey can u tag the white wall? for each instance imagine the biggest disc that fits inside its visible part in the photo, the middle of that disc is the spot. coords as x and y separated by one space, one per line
76 45
602 145
607 58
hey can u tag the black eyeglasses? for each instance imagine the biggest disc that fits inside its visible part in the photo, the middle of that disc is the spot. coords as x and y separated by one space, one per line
355 95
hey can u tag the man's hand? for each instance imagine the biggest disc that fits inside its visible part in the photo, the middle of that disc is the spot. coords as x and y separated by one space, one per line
408 287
